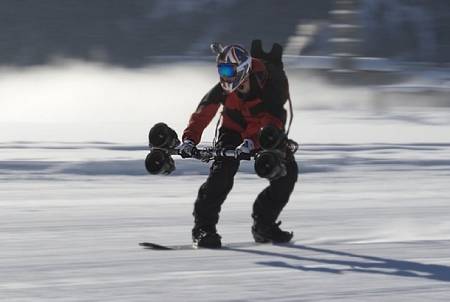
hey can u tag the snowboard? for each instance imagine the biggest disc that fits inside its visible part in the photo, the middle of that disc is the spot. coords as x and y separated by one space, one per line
181 247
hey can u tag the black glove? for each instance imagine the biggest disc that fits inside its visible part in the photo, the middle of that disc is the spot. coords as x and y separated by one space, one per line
187 148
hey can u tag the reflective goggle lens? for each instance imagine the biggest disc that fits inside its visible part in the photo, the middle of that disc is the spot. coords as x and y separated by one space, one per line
226 70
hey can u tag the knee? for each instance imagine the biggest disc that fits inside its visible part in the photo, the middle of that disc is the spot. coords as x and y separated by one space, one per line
292 172
220 180
295 172
285 185
225 168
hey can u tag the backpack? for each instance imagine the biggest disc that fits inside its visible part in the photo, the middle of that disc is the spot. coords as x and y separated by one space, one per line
274 65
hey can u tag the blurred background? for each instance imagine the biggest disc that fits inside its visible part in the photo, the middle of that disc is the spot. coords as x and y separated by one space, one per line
118 61
133 33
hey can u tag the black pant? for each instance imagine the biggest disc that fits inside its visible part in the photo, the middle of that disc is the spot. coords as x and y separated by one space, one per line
211 195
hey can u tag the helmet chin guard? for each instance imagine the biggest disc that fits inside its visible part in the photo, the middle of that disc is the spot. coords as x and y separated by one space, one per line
233 64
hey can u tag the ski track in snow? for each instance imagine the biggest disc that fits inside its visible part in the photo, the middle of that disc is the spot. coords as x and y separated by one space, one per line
370 223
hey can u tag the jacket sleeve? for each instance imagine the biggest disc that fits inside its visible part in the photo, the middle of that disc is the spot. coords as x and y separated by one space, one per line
205 112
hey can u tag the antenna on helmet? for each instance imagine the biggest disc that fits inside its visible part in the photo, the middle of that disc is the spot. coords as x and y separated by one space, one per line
216 48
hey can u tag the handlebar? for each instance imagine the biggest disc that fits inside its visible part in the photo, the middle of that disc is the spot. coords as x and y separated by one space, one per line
209 153
268 163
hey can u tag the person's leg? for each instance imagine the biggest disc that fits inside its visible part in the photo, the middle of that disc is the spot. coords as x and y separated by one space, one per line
214 191
271 201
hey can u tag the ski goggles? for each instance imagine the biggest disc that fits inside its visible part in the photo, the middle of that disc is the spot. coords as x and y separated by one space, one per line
227 70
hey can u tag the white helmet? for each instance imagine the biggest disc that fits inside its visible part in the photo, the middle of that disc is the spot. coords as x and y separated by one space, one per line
233 65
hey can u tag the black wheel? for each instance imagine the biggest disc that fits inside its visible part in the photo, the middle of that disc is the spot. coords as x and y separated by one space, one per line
270 137
159 162
269 165
162 136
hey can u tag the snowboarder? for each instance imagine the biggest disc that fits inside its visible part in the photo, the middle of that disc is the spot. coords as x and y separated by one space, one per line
253 92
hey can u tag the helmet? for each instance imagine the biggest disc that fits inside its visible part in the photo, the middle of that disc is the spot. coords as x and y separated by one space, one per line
233 64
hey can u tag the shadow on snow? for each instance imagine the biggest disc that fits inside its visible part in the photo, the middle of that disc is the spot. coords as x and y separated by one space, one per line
357 263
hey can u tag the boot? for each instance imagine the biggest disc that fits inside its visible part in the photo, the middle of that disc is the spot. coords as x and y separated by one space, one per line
206 237
265 233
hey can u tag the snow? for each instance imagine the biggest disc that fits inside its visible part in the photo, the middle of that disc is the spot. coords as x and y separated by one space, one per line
370 211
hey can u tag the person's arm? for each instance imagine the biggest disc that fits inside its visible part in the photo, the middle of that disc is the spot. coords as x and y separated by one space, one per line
205 112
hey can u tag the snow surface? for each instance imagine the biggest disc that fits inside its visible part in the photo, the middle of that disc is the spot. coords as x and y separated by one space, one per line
370 212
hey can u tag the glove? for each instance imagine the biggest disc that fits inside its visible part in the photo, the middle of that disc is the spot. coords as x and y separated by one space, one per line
186 148
245 148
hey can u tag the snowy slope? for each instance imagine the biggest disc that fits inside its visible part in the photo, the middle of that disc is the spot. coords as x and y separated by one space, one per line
370 212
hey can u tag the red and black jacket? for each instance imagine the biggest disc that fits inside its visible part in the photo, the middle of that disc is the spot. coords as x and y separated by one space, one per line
245 114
